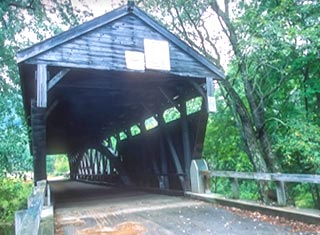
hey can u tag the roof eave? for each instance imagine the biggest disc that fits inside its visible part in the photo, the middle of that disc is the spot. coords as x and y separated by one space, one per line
70 34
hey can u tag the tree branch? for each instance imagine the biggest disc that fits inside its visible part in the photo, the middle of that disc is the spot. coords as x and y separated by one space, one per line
17 5
4 22
226 25
182 30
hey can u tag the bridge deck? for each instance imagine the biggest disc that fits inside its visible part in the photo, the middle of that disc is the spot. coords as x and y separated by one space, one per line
90 209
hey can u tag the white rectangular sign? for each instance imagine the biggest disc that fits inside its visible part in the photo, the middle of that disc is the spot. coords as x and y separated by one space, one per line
135 60
157 54
212 106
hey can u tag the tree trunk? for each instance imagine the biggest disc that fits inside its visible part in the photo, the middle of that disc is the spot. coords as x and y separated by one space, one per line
252 146
256 104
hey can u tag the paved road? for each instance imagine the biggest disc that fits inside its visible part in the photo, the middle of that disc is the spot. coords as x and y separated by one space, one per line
90 209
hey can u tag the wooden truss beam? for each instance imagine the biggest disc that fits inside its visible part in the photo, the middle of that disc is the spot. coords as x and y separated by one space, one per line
116 163
57 78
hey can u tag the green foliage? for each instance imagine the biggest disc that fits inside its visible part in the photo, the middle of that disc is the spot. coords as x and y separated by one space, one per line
23 23
13 197
113 142
122 135
301 195
171 114
14 149
221 186
299 144
274 72
57 165
248 189
61 165
50 161
135 130
194 105
222 150
222 146
151 123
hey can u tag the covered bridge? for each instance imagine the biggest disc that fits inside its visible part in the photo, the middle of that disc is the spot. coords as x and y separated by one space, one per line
115 94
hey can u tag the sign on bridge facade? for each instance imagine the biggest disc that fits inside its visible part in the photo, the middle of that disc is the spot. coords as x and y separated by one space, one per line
115 95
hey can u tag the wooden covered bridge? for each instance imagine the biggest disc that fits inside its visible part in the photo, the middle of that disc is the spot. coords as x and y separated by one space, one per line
101 93
127 102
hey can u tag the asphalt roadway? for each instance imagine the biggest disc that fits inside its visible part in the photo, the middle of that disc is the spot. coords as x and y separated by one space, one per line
82 208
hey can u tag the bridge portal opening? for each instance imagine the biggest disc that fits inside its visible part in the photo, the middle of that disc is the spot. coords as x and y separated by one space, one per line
122 97
57 166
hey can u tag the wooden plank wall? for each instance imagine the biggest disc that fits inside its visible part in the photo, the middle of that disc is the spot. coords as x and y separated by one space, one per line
104 48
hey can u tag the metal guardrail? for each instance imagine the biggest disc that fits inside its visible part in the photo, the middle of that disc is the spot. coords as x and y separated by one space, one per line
27 222
278 178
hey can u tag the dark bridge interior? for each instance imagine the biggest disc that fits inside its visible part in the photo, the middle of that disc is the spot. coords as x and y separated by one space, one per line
117 123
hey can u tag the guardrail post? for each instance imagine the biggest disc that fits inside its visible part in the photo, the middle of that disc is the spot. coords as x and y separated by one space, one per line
48 195
206 178
235 188
18 218
198 184
27 222
281 193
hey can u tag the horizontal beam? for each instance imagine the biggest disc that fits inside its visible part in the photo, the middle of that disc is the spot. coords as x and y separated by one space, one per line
299 178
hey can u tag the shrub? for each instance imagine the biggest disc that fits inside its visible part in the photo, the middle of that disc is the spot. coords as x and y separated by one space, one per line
13 197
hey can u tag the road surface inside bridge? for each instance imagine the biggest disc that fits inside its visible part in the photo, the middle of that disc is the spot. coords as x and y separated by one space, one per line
82 209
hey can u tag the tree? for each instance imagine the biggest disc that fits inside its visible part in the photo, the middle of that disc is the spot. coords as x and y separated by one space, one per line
266 41
23 23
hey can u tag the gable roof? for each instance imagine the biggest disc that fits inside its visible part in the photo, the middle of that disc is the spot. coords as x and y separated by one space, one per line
89 26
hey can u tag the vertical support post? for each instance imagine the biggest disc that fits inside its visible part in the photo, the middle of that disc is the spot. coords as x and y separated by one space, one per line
71 165
78 170
235 188
142 127
104 165
281 193
96 164
186 144
117 145
146 158
156 171
201 131
164 178
207 178
42 85
38 127
128 133
176 161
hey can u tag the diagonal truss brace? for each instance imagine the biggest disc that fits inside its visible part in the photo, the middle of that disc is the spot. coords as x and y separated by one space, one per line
57 78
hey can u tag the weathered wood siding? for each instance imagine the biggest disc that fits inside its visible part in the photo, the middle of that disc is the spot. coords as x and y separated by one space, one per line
104 48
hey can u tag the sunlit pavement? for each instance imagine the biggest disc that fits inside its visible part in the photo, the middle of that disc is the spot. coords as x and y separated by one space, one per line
91 209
